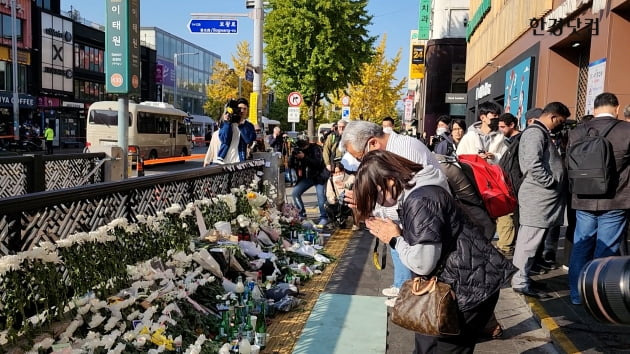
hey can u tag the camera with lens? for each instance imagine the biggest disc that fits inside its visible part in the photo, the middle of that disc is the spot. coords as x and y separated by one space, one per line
233 111
604 287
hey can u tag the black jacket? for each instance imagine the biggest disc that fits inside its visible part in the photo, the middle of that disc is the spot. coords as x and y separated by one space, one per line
472 266
312 163
618 137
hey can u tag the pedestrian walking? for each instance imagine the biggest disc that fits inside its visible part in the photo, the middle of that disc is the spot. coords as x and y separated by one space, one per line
49 136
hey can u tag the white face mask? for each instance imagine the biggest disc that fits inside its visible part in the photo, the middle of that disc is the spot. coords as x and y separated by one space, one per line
388 130
337 178
441 130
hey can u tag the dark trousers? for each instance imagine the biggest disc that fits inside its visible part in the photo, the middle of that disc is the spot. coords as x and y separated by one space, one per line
473 323
49 150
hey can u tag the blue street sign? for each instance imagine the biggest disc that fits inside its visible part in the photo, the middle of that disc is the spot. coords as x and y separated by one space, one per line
249 75
222 26
345 112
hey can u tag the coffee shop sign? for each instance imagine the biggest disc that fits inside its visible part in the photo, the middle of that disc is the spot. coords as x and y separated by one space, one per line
483 91
22 101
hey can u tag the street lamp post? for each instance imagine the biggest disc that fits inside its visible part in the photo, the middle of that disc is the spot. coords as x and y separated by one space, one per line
175 56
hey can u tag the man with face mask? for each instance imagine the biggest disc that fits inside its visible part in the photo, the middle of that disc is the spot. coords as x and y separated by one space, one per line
541 197
388 125
484 138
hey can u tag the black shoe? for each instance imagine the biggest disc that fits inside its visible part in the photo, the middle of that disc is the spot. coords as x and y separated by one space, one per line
537 270
546 265
537 285
527 291
549 257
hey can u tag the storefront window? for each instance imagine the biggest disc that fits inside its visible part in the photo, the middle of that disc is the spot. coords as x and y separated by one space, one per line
89 58
6 77
89 91
6 27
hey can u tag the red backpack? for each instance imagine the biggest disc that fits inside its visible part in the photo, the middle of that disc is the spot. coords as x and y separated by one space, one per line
493 185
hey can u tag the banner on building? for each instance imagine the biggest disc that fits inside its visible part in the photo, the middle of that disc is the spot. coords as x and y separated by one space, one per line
417 61
517 85
122 46
595 83
424 19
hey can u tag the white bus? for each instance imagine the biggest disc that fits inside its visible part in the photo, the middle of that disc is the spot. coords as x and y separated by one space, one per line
158 129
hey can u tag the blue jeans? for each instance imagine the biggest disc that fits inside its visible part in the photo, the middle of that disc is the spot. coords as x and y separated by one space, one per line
597 234
401 272
304 185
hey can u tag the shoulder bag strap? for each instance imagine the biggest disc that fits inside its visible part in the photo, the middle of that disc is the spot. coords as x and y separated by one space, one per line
609 128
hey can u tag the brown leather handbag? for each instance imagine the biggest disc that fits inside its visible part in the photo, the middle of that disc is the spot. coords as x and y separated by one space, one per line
427 306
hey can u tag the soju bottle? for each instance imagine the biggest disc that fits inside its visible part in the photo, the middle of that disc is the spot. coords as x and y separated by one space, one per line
224 329
260 339
248 330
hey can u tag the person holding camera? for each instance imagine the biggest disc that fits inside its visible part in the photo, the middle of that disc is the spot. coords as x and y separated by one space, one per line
235 133
308 158
276 140
331 146
442 132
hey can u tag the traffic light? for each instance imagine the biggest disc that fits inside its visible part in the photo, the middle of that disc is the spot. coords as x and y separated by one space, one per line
250 3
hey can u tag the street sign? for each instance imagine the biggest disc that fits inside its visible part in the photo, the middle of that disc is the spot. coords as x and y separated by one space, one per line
122 47
345 113
294 99
249 75
212 26
345 100
293 115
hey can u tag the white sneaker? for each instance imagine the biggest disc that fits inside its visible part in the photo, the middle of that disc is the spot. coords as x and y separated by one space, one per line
390 302
391 292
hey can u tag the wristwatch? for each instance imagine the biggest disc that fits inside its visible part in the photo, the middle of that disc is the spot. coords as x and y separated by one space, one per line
393 241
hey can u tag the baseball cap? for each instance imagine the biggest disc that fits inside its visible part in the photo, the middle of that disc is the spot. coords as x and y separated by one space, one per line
533 113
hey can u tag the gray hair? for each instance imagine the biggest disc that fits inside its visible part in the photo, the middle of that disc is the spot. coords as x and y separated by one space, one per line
357 134
626 112
345 122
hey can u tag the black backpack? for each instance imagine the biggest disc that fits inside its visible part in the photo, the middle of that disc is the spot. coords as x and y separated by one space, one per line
591 162
509 160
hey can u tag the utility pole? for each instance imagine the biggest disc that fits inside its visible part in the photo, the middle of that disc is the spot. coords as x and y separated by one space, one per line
258 54
14 61
258 16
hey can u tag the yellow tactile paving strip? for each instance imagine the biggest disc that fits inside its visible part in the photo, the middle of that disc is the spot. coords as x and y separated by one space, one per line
285 329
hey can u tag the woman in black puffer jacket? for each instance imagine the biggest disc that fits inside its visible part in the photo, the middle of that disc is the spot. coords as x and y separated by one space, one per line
434 230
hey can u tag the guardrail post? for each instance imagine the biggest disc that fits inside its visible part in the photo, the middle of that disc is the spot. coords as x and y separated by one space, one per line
36 174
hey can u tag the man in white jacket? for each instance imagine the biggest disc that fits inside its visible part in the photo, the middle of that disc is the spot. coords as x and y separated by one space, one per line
484 138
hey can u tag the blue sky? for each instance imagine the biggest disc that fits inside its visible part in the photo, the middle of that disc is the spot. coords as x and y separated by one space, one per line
395 18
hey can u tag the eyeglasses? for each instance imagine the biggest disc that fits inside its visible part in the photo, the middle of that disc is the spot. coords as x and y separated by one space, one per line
365 147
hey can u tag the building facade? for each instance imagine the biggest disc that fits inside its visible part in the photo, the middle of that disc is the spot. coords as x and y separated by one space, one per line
524 54
191 73
444 64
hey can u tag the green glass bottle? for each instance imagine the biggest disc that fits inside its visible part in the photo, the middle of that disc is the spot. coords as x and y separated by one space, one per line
248 330
260 338
224 329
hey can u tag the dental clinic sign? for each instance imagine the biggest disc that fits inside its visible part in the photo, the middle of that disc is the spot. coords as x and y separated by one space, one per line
57 53
122 47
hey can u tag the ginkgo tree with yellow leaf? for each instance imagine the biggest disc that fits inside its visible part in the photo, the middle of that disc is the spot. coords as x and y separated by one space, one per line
378 91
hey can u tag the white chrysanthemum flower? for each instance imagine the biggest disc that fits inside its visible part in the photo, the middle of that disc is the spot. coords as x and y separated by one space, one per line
118 349
119 222
141 218
132 316
129 336
43 344
4 337
96 321
10 263
140 342
108 341
174 209
111 323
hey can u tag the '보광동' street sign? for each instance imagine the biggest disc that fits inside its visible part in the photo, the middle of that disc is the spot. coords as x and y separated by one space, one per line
213 26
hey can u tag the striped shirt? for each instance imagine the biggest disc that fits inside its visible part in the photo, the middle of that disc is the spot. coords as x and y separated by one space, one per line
412 149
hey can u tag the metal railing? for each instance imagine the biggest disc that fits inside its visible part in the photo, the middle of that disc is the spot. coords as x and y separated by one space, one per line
21 175
52 215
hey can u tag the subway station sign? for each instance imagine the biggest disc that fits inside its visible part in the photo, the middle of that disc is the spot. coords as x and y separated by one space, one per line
122 47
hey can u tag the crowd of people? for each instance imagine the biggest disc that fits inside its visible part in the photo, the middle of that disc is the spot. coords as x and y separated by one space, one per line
418 197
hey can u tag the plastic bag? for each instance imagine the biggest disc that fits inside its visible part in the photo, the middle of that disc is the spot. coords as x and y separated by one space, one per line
287 303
